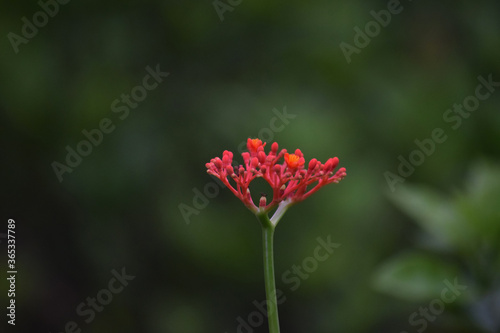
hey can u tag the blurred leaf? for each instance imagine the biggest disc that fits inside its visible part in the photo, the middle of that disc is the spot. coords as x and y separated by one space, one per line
413 276
435 214
480 206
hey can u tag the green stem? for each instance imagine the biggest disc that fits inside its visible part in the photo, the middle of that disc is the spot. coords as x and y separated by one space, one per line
267 246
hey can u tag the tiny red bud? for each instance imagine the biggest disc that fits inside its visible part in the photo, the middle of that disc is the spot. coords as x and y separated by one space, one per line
274 147
262 157
312 164
262 201
218 163
328 165
335 162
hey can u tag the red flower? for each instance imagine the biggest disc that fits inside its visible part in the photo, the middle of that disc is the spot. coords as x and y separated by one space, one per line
294 161
254 145
289 180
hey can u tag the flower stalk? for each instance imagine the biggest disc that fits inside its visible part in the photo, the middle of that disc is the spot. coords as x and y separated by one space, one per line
269 279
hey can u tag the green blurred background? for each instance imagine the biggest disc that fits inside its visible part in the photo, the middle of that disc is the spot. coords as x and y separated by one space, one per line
228 79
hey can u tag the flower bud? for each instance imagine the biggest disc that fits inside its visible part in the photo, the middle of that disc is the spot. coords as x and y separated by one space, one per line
262 157
218 163
263 200
274 148
312 164
246 157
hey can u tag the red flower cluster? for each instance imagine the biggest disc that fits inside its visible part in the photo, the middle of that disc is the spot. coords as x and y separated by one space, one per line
289 180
